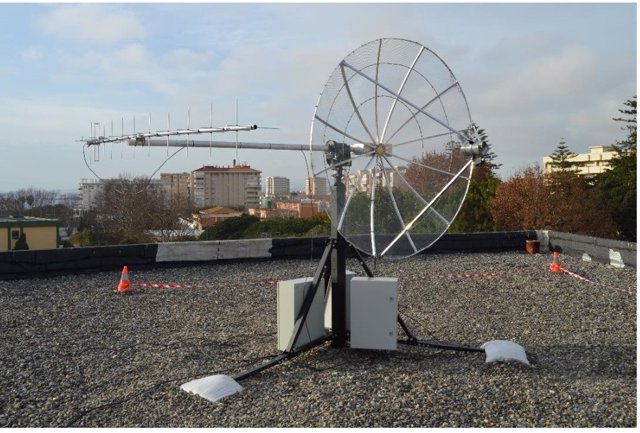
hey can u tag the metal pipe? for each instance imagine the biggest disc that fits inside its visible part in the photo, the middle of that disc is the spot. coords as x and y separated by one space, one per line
225 144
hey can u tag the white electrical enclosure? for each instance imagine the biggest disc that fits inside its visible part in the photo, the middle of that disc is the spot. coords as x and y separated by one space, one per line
327 305
290 298
374 312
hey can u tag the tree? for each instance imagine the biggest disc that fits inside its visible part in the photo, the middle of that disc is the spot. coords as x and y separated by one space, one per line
250 227
521 202
126 209
560 201
171 220
39 203
489 156
231 228
28 202
616 188
560 158
475 213
630 142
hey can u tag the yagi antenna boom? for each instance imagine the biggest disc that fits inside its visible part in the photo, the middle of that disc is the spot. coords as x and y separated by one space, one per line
142 135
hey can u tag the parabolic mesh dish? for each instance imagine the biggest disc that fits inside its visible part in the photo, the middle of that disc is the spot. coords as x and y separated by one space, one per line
402 104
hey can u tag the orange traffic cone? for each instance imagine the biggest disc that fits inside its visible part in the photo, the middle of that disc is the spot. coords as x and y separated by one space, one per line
555 266
124 285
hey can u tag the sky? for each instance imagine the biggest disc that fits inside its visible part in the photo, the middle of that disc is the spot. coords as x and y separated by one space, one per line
533 75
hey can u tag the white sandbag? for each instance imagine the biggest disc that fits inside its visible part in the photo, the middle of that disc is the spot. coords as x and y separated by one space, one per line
504 351
213 388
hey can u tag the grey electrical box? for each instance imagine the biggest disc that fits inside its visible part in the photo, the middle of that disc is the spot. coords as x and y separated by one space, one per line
374 312
290 298
327 306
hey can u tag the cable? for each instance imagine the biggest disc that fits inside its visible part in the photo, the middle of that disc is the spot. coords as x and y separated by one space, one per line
318 369
83 413
403 312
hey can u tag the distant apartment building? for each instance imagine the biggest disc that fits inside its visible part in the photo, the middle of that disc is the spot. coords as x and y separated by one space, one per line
363 179
586 164
316 186
176 186
236 187
303 209
277 186
89 190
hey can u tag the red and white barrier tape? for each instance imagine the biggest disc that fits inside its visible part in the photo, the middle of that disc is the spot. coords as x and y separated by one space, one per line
457 276
191 286
576 276
586 280
166 286
414 278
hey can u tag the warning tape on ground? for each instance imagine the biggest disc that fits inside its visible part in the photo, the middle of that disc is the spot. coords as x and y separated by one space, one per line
586 280
166 286
460 276
576 276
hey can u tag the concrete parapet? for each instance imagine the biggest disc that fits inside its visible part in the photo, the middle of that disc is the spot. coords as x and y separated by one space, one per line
26 263
245 249
483 241
213 250
612 252
40 262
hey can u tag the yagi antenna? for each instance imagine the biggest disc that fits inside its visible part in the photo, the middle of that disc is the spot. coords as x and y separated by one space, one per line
140 137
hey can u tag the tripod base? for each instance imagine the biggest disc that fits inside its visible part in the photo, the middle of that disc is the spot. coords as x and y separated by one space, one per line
339 336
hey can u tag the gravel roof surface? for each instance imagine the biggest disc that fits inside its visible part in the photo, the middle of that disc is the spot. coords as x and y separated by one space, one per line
73 352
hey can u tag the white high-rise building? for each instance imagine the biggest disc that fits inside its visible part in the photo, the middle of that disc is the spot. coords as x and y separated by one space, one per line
89 189
277 186
586 164
236 187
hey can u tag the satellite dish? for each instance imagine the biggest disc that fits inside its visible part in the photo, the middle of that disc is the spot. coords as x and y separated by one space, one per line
401 140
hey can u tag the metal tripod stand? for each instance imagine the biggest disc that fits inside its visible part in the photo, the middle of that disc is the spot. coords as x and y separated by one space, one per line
332 267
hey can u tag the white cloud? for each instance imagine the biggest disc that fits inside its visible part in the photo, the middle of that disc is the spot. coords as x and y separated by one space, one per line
32 54
92 24
134 65
549 81
532 97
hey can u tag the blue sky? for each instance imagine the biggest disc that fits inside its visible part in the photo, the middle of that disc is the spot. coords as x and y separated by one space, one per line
532 74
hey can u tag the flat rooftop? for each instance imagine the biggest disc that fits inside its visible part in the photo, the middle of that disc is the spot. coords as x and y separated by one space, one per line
76 353
11 221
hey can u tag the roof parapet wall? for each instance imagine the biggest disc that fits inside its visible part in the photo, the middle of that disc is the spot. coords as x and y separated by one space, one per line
40 263
610 251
